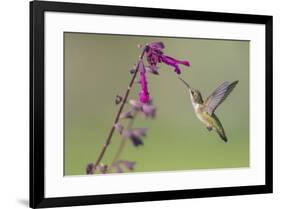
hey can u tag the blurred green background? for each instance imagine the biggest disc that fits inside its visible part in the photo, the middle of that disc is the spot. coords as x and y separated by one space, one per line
96 68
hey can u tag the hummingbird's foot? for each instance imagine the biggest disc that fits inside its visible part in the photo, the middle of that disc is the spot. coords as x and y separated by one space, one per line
209 128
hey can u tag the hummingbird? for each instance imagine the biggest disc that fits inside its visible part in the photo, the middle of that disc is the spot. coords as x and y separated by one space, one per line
205 110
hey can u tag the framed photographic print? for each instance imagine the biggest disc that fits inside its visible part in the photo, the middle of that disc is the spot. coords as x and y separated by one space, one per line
135 104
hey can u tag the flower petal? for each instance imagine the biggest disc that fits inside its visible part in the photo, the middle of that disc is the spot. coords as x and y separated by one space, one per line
128 164
149 110
174 62
118 169
136 140
128 114
156 45
152 69
140 132
135 136
143 94
103 168
136 105
119 128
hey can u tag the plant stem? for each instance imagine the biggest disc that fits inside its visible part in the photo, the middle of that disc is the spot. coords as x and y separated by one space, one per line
108 140
123 141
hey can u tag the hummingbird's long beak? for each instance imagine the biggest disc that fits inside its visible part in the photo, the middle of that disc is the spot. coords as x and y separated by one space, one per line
185 83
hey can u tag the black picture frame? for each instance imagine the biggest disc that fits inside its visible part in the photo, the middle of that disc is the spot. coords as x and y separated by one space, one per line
37 101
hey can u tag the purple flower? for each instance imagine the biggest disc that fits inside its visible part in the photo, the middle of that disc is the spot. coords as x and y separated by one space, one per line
103 168
136 140
128 114
143 94
118 168
135 135
136 105
128 164
157 46
149 110
155 55
139 132
174 62
90 168
120 164
152 69
119 128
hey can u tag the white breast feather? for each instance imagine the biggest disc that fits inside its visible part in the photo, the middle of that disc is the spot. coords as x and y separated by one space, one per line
199 114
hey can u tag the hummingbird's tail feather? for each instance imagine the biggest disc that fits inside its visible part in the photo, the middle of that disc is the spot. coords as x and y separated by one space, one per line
219 128
222 136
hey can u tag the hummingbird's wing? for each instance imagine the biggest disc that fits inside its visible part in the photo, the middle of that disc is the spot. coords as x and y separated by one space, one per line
218 96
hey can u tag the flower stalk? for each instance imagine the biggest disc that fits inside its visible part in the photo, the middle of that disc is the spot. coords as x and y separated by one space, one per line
123 141
108 140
